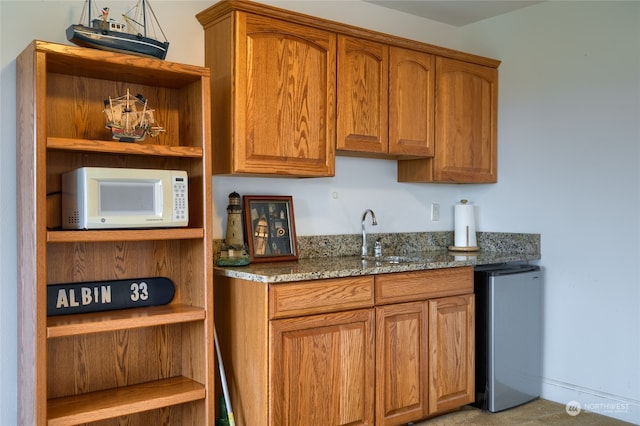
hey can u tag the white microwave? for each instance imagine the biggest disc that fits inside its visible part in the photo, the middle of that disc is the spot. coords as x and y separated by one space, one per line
111 198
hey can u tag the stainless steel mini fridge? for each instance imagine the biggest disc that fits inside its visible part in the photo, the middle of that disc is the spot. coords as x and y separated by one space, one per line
508 335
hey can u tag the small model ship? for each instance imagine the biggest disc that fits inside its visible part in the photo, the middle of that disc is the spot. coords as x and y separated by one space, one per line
127 37
130 119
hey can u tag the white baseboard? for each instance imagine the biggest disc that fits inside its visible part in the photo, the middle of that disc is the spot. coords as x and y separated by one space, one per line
580 398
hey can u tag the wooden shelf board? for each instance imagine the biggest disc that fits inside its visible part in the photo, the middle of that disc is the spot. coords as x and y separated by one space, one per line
113 147
106 235
100 405
101 64
100 322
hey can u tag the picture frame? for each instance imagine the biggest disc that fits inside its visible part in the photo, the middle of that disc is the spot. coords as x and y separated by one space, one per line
270 228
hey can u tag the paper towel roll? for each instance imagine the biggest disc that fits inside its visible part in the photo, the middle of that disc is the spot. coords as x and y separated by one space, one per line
465 225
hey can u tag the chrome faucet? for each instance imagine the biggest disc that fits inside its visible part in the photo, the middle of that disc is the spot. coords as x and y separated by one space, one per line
364 250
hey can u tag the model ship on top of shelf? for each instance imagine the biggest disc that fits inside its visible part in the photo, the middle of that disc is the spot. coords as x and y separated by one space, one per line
130 119
127 37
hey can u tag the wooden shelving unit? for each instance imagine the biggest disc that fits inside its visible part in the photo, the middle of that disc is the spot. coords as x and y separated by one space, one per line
152 365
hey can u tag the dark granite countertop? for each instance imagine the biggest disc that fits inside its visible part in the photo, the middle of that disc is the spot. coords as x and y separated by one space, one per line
348 266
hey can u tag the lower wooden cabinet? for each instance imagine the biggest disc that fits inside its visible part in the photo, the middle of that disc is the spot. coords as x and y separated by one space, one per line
451 352
424 349
401 363
322 369
372 350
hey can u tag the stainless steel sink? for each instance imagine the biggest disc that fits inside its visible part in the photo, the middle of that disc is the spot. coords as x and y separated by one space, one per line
393 259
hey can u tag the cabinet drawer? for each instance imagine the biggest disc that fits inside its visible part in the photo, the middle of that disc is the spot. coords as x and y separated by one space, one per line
422 285
319 296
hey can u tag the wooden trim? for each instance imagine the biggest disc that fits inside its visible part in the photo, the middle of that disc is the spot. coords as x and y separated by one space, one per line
243 313
210 15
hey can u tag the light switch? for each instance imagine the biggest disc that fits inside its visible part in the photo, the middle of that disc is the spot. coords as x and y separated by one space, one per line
435 212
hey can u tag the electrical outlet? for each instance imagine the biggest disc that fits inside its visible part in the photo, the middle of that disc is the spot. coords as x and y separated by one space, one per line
435 212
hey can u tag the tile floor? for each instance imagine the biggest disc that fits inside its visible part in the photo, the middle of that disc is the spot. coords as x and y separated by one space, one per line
537 412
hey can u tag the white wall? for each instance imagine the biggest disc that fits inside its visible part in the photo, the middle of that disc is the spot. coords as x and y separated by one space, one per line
570 154
569 168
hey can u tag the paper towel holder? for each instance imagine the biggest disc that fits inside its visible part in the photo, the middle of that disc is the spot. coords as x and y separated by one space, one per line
465 248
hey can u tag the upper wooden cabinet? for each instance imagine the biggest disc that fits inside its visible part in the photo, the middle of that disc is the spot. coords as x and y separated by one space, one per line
465 127
411 102
363 96
385 100
289 91
273 96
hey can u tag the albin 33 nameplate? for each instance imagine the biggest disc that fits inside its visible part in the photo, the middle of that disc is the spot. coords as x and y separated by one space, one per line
97 296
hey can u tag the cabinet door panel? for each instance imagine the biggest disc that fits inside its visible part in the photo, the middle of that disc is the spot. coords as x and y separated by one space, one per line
364 95
322 369
411 102
466 111
320 296
451 352
284 113
401 363
466 122
422 285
